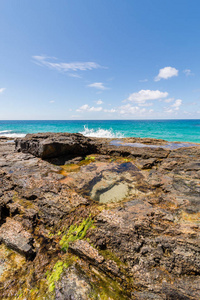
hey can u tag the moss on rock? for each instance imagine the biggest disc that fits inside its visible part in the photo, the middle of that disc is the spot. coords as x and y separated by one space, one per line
76 232
54 276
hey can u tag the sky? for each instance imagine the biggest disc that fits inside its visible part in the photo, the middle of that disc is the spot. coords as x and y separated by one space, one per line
99 59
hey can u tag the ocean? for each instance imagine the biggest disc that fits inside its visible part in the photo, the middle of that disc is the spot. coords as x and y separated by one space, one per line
170 130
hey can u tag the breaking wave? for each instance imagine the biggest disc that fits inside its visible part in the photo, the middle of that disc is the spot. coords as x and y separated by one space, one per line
101 133
11 134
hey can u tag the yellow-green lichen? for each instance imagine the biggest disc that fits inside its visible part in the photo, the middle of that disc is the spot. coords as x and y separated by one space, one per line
76 232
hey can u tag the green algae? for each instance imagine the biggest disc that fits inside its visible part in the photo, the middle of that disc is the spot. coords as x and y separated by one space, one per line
76 232
107 254
92 158
55 275
40 292
105 288
24 203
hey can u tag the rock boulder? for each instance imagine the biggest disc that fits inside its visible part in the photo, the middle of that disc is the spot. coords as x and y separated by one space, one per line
49 145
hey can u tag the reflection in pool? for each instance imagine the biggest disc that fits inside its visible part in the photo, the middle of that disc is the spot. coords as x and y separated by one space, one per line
169 145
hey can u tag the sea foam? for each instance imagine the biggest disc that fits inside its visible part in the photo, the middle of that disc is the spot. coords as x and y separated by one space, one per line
101 133
11 134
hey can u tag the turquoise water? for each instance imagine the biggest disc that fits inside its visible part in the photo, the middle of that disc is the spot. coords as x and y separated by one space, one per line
170 130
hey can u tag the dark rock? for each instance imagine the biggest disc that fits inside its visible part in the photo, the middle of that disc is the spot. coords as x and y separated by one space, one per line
48 145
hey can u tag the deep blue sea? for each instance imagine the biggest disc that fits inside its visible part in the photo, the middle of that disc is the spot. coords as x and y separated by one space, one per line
170 130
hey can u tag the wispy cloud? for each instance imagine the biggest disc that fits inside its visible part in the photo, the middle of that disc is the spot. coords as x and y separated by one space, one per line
98 85
143 80
87 108
188 72
174 107
112 110
128 109
143 95
52 101
166 73
169 100
2 89
168 110
51 62
99 102
74 75
145 104
75 116
177 104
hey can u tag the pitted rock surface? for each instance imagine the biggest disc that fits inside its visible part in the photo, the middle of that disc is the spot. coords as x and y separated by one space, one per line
13 235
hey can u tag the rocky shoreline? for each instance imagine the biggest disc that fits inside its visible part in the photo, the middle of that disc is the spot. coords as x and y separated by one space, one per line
90 218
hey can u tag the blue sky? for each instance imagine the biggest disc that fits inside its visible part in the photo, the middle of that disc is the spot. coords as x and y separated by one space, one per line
99 59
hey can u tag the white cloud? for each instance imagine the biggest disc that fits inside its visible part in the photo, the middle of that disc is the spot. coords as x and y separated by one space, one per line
97 85
62 66
2 89
169 100
145 104
87 108
112 110
128 109
144 95
169 110
99 102
52 101
74 75
188 72
188 113
174 107
166 73
177 104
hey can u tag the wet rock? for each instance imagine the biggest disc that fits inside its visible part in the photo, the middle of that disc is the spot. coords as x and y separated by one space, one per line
13 235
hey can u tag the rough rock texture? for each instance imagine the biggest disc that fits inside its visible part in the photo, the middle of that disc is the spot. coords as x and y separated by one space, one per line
13 235
48 145
85 250
121 223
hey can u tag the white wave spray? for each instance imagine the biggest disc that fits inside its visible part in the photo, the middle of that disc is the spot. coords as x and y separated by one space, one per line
101 133
11 134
